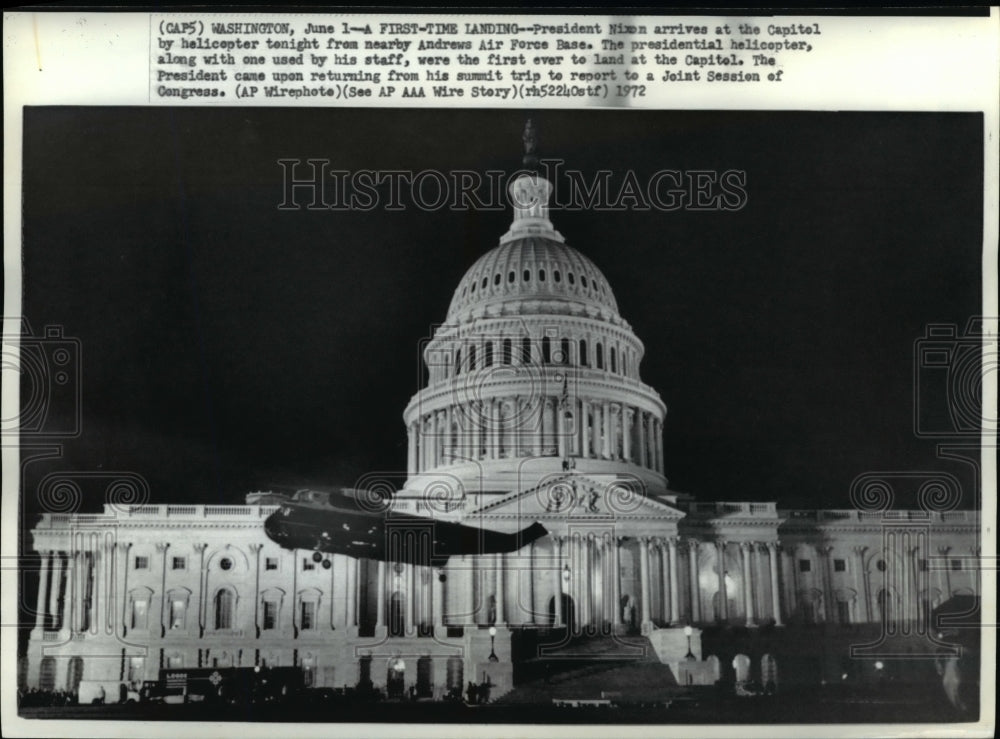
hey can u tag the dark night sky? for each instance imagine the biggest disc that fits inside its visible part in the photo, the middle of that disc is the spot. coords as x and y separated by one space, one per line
229 346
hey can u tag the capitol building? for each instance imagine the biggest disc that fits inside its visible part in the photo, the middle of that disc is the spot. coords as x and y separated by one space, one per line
534 410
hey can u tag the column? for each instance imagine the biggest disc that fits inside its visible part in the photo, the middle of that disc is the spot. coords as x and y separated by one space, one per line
644 581
449 441
720 547
57 614
500 560
104 585
911 563
424 457
469 591
411 450
560 427
695 586
665 571
829 611
438 601
352 591
539 426
745 548
558 542
675 601
606 431
861 584
627 415
516 426
43 584
576 570
616 580
588 578
604 552
945 566
96 595
380 597
772 550
410 600
494 421
70 610
659 445
532 594
641 439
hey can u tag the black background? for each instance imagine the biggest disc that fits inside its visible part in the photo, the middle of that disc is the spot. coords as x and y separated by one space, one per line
228 346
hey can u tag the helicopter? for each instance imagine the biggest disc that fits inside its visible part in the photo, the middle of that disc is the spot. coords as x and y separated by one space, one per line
346 522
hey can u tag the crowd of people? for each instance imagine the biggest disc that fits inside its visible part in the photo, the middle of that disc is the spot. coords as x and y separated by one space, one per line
35 697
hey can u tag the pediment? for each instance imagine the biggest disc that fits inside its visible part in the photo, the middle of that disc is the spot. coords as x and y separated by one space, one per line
590 496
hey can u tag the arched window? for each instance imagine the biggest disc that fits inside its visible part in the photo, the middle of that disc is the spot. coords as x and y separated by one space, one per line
488 355
47 673
525 350
472 357
496 279
507 350
546 350
572 279
224 610
140 609
556 276
564 348
583 281
614 362
600 356
541 275
510 277
527 275
624 363
75 674
178 612
458 361
583 360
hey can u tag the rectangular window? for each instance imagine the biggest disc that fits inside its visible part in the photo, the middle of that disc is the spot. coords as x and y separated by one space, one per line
308 564
839 565
177 612
271 563
805 565
525 350
175 662
139 610
308 620
956 564
142 563
178 563
270 615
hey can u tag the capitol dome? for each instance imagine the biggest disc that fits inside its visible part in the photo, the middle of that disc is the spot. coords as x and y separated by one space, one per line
532 268
533 372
